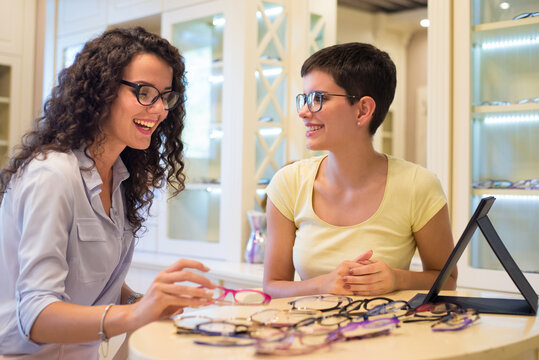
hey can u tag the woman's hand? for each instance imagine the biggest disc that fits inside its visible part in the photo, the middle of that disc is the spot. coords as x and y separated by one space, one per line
334 282
168 296
370 277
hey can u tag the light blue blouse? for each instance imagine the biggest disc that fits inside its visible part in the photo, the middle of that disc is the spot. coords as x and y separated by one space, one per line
58 244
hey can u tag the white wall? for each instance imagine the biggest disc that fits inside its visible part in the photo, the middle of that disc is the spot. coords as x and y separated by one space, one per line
392 34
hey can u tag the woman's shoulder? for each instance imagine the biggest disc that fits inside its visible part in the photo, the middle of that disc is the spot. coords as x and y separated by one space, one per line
412 177
296 173
54 162
404 168
302 167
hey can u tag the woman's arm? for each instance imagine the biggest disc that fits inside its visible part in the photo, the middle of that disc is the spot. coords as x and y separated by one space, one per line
278 262
434 242
165 297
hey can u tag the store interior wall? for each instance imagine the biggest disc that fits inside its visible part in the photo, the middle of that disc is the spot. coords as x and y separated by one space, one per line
416 98
399 34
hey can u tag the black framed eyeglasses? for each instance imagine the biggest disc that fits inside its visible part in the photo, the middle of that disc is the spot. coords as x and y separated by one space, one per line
148 95
320 302
314 100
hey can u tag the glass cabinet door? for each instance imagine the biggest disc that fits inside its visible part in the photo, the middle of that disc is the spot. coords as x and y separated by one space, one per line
194 214
505 127
271 93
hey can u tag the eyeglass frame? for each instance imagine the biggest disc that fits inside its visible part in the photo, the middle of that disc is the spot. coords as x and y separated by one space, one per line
431 308
387 308
526 15
287 340
160 94
226 291
308 313
310 95
346 299
468 317
332 337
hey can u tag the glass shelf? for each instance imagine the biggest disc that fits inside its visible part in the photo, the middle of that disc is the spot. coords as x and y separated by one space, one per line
505 108
490 11
505 193
507 24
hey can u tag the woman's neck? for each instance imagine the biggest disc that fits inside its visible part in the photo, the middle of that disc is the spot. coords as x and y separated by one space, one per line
104 158
354 166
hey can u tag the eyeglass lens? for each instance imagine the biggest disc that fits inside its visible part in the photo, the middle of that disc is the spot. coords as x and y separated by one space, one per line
322 303
313 99
147 95
243 296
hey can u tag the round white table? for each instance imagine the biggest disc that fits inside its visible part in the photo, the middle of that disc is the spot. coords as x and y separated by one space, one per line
492 337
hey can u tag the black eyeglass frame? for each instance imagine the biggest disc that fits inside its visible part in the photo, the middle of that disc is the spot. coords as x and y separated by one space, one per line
302 99
160 94
341 300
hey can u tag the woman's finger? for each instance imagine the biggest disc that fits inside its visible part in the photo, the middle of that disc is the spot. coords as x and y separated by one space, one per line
184 275
187 263
179 290
365 256
366 269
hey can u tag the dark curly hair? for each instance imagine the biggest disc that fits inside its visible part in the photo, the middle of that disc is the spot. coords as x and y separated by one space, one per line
79 105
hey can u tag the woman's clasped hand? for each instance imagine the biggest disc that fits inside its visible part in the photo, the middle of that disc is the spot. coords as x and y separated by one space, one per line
361 276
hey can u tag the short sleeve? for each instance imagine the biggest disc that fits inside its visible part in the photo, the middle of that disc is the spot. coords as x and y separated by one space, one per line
282 190
428 198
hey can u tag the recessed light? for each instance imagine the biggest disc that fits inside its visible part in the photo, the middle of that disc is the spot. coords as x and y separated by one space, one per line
424 22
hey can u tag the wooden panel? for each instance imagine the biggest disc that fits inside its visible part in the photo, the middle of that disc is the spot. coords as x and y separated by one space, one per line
11 26
120 11
81 15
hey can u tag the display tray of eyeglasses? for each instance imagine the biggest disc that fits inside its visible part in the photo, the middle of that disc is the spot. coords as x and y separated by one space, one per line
318 326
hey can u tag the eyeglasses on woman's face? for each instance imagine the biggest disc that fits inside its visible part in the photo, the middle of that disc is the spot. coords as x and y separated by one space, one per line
314 100
147 95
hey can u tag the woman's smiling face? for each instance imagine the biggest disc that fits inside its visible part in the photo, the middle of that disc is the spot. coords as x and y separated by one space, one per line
335 121
130 123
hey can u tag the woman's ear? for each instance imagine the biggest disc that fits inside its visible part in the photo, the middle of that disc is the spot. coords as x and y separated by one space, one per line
366 106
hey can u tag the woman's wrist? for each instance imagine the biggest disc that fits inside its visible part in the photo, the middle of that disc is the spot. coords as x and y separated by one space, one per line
121 319
133 298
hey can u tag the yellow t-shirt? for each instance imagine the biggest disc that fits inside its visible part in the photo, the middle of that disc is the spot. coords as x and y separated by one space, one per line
412 196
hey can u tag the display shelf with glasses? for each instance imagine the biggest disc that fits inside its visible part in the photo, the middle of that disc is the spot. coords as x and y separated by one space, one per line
502 47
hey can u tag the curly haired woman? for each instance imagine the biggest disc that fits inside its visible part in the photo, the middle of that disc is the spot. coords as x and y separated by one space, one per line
75 194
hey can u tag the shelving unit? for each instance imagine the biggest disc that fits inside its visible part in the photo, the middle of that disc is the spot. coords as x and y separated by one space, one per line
500 134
